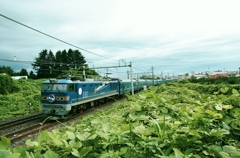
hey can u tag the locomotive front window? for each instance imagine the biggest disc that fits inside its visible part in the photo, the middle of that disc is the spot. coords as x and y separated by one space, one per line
71 87
47 87
60 87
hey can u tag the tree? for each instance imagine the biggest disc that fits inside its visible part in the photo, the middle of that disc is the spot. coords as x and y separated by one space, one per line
71 58
32 75
75 59
58 60
23 72
6 69
50 65
41 65
79 59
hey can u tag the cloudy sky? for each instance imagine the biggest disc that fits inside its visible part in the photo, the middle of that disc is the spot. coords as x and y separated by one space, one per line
172 36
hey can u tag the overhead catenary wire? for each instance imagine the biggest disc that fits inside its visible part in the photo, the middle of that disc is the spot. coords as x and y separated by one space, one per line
55 38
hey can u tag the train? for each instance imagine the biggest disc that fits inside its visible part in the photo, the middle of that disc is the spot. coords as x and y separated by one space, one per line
62 98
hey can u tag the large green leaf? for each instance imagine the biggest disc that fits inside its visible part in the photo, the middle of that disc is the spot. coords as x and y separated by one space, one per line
231 150
218 107
236 125
5 153
227 107
15 155
138 117
70 135
215 149
32 143
75 144
178 153
51 154
218 132
4 143
85 151
235 92
136 106
43 137
75 152
82 137
224 90
21 150
142 130
235 112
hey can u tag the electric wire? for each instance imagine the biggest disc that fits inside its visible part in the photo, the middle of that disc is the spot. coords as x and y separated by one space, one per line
27 62
54 37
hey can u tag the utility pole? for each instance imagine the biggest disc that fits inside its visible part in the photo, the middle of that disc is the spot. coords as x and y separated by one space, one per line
128 74
161 76
131 75
152 75
84 76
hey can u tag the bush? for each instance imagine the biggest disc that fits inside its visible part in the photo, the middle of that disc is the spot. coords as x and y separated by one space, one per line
8 85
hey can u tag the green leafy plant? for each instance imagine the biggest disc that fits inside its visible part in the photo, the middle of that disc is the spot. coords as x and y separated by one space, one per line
17 103
177 119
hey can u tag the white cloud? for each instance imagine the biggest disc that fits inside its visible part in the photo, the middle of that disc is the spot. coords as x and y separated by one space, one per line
174 36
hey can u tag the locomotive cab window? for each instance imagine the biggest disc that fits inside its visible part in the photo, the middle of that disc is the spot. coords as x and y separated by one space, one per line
60 87
47 87
71 87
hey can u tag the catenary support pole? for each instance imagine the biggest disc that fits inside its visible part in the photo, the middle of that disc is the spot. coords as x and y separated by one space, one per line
131 75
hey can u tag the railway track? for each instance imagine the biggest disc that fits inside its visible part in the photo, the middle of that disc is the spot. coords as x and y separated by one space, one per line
6 128
19 121
36 128
30 131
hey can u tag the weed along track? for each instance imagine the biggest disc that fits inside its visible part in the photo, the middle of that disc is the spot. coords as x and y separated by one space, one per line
19 135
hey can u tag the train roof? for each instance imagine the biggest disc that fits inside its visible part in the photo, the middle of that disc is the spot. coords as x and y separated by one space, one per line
58 81
134 79
61 81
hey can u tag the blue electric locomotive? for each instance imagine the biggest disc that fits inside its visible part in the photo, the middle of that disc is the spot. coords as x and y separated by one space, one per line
61 98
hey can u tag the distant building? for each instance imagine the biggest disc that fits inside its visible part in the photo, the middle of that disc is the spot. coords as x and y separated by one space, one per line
197 76
216 74
19 77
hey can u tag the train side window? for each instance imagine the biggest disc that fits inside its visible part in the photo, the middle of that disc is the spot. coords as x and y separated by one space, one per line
71 87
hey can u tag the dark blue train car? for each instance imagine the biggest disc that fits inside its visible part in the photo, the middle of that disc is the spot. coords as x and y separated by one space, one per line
126 85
